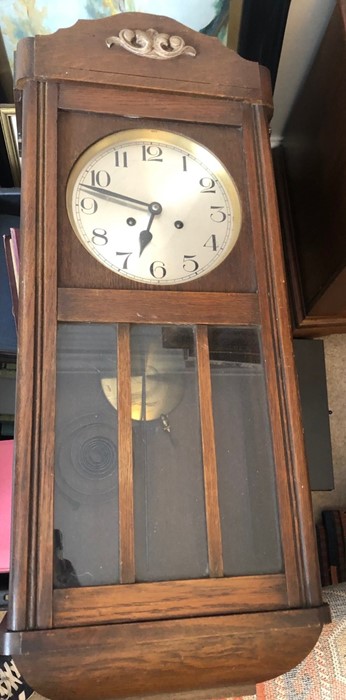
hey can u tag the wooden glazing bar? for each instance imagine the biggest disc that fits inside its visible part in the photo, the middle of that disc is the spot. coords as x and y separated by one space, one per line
142 601
112 306
209 454
125 458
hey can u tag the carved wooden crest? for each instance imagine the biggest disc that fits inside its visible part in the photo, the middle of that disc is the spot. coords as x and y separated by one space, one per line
151 44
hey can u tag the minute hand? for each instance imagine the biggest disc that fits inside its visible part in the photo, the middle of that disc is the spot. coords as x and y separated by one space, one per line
107 194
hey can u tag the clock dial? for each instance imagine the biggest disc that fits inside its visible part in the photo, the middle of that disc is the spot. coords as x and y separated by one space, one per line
153 206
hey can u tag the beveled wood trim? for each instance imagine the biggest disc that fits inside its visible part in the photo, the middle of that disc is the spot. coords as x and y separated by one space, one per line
17 612
167 599
298 539
129 306
318 326
46 351
125 458
215 557
141 104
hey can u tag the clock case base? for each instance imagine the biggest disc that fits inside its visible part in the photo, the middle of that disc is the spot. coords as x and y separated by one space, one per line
228 654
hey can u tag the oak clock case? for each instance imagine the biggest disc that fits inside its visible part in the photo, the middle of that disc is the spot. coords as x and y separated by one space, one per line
164 509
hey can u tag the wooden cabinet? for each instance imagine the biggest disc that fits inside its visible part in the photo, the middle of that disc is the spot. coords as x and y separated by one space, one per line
163 541
311 182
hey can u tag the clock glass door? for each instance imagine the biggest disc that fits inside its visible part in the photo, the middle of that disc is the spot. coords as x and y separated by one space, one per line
86 460
164 465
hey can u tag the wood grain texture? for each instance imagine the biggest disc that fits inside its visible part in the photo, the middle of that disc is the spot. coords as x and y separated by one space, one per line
125 458
18 609
75 607
327 314
312 201
297 531
275 389
318 326
177 637
47 221
239 79
110 306
164 657
147 103
209 454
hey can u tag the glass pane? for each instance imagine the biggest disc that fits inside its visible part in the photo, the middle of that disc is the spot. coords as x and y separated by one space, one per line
86 481
247 492
170 522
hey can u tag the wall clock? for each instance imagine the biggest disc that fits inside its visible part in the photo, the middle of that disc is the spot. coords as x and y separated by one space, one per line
163 542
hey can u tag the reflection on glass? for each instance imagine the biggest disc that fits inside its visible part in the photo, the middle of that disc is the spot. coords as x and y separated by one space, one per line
170 523
86 473
246 480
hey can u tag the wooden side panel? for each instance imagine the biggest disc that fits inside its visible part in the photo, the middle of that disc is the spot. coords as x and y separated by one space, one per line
33 517
293 487
314 147
23 488
46 353
328 313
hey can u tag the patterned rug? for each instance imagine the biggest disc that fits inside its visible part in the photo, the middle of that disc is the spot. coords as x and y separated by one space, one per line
322 675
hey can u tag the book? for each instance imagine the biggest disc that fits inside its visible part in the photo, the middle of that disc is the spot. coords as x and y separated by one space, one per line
322 549
11 243
6 460
336 543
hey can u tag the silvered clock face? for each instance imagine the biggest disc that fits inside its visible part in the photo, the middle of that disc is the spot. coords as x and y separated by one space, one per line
153 206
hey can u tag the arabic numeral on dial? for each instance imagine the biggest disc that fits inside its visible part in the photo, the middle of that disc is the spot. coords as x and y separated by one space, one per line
208 185
211 242
88 205
158 270
190 264
120 159
99 236
218 215
126 257
153 153
100 178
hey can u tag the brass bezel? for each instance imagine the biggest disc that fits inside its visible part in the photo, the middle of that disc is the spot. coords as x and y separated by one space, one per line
152 136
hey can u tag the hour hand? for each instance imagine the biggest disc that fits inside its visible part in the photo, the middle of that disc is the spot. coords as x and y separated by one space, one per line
144 238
